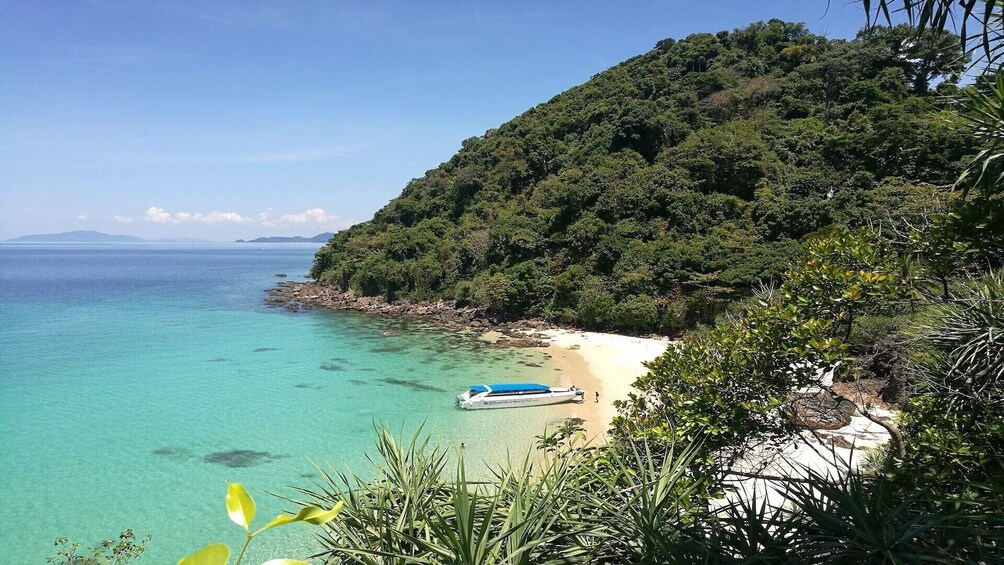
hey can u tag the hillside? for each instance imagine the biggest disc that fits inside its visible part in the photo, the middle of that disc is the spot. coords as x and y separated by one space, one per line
319 238
650 196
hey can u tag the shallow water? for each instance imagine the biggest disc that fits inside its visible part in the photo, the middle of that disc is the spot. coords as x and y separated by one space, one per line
138 379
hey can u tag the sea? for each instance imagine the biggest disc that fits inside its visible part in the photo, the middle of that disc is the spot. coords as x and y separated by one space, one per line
136 380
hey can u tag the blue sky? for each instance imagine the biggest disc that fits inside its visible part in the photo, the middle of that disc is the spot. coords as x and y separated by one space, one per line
235 119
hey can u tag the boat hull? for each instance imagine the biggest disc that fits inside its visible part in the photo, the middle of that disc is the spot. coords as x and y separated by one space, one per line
482 402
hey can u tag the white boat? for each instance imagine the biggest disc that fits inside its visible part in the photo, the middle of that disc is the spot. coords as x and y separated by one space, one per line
516 394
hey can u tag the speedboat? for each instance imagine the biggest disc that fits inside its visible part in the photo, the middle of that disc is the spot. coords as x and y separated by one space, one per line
516 394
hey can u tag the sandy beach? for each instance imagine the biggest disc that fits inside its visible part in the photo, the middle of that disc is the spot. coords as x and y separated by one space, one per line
604 363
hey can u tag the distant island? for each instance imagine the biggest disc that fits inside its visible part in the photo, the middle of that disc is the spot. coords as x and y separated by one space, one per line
319 238
95 237
76 237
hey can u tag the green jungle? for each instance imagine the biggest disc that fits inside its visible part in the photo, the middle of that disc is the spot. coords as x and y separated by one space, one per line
656 193
787 203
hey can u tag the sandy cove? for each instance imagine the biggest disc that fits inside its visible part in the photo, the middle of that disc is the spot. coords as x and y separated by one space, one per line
604 363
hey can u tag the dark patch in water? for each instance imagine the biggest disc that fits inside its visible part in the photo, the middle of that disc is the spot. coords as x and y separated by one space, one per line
368 369
338 360
308 475
331 367
447 367
262 349
414 385
238 458
303 385
219 360
389 349
172 452
357 382
536 365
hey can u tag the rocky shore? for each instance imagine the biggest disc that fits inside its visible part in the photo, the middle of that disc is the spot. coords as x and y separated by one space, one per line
296 296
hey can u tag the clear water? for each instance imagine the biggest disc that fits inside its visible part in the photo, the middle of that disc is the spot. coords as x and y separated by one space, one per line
132 376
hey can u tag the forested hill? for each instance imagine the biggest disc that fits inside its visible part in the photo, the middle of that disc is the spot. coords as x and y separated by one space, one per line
648 196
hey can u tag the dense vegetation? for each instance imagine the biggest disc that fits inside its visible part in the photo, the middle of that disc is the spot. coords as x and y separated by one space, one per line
650 196
809 164
937 495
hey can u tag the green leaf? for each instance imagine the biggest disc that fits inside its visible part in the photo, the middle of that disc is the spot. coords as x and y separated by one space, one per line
215 554
240 506
309 514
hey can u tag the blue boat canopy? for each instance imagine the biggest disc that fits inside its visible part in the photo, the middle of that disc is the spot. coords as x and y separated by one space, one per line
511 387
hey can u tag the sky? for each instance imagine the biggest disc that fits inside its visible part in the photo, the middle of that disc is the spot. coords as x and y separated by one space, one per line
235 119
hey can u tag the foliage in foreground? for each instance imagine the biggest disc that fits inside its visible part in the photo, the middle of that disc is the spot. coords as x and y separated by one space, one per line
954 419
241 510
632 503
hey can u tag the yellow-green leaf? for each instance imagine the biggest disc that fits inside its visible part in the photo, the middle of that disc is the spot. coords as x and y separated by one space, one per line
309 514
215 554
285 562
240 505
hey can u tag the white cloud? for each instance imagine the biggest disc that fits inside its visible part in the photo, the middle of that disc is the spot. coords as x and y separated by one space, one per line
81 217
160 216
122 219
314 217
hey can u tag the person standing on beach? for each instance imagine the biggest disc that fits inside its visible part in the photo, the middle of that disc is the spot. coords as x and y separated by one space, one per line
597 396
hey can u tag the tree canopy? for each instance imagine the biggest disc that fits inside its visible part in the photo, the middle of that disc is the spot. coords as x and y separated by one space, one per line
646 198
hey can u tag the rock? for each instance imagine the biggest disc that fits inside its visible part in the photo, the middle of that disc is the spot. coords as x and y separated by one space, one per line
837 441
822 411
886 360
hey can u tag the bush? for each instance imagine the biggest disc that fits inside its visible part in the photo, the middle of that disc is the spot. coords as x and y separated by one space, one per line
637 314
596 307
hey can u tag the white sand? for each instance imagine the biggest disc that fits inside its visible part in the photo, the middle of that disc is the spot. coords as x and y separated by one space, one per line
613 361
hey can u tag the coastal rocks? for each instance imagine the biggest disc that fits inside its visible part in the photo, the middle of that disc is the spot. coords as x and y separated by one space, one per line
296 296
519 342
822 410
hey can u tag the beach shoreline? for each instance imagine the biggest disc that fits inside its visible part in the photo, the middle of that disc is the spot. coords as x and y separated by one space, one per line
602 363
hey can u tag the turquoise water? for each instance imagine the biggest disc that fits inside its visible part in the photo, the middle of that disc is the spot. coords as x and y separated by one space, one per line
136 380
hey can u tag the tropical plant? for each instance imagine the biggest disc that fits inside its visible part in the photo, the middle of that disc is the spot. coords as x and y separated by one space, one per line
241 510
978 21
412 511
954 420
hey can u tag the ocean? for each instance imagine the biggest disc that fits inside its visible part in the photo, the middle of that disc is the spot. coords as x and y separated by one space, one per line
136 380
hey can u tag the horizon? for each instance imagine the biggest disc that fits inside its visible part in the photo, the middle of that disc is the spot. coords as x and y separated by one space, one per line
146 240
177 120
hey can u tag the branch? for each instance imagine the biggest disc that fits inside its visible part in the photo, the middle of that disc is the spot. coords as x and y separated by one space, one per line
894 433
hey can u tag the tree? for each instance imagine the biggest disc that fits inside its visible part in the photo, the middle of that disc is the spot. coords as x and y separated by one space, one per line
732 386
